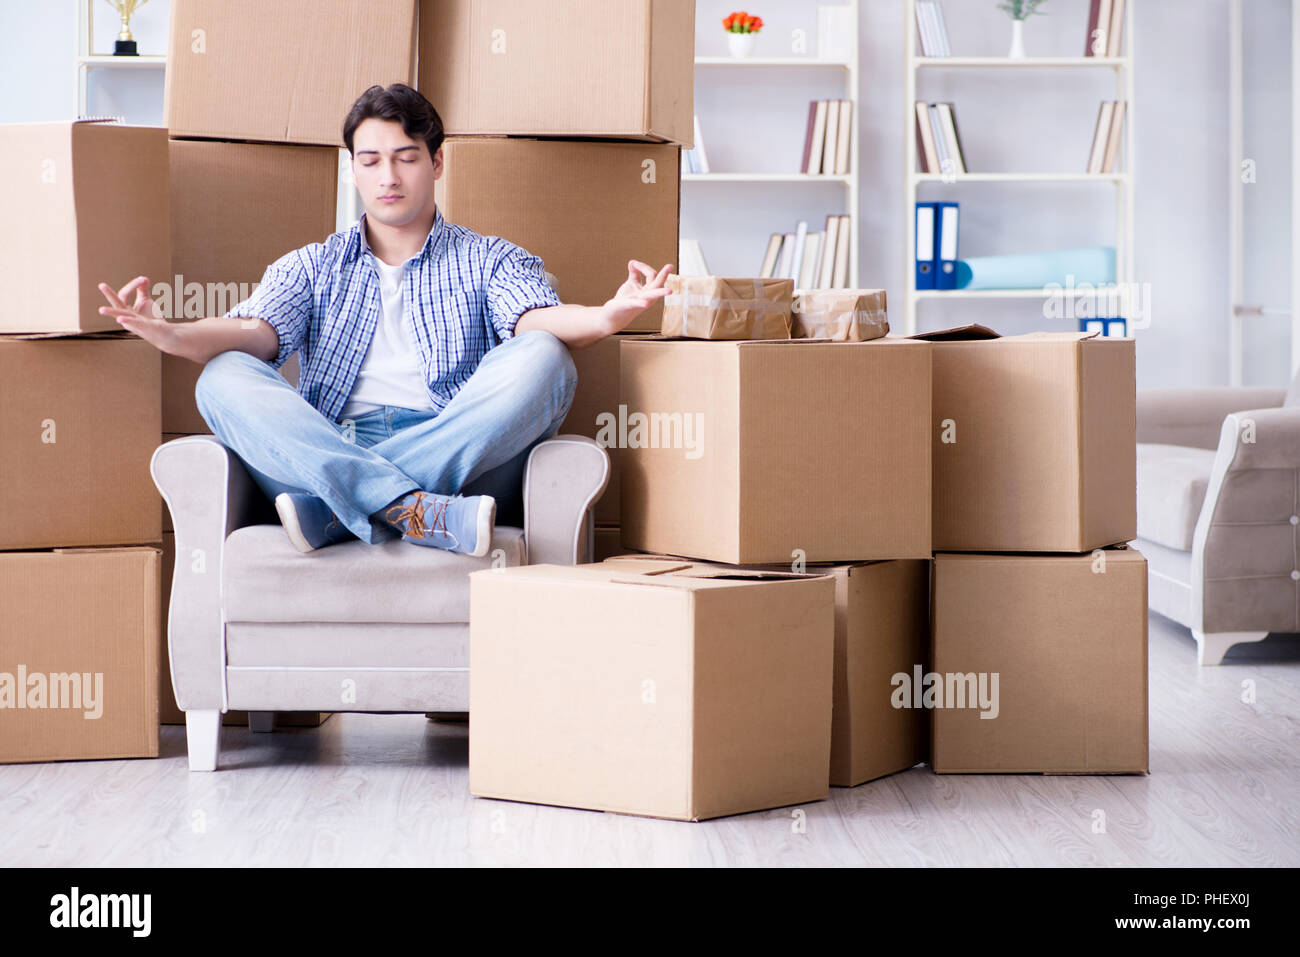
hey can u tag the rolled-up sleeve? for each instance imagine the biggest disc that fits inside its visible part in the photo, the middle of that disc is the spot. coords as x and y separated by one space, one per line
517 284
285 300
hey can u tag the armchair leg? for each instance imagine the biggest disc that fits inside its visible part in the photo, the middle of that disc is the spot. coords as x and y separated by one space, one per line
1210 648
261 721
203 738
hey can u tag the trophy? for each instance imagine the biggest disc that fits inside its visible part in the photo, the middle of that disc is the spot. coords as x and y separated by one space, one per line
125 45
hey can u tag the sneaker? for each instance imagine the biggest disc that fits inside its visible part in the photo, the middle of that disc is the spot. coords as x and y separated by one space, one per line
309 522
455 523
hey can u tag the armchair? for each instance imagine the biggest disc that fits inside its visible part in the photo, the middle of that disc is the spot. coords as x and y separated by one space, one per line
1219 511
256 625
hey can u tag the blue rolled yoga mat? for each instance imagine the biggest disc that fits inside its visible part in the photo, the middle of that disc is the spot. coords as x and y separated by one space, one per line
1095 265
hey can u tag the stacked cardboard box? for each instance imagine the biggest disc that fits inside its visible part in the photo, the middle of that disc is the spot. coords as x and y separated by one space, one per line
565 136
1039 637
79 417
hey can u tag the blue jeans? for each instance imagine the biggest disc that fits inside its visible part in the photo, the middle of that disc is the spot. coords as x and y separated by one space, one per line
477 445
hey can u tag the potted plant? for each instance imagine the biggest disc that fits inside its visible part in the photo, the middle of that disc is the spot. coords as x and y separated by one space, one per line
1019 10
741 29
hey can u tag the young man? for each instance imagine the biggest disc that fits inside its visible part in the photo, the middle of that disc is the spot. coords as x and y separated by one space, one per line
433 359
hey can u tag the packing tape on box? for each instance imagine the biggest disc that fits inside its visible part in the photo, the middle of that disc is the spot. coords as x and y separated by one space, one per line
844 318
702 305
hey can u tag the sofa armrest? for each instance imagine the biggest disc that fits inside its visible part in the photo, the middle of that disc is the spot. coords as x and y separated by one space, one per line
210 494
564 477
1244 549
1194 416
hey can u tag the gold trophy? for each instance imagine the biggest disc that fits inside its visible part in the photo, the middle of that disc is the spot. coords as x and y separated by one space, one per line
125 45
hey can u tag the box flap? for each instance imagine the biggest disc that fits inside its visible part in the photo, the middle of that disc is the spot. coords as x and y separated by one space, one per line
959 334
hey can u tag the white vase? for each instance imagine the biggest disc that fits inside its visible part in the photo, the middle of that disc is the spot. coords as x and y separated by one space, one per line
741 44
1017 40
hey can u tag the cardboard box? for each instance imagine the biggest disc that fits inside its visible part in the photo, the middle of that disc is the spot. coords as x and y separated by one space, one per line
92 201
168 712
757 452
845 315
287 71
79 419
1035 442
79 660
595 403
662 694
585 208
608 542
711 307
1066 638
618 68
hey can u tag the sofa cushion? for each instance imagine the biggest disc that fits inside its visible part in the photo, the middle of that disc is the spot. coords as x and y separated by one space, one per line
1171 483
264 578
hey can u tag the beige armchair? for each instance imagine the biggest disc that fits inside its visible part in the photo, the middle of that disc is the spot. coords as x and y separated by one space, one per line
256 625
1219 511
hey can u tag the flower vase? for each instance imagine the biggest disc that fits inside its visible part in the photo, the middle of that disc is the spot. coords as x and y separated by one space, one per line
741 44
1017 40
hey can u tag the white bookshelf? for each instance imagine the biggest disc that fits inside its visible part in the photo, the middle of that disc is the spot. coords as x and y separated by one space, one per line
849 183
85 59
1121 183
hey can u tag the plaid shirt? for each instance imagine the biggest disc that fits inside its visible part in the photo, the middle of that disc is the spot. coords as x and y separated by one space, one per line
464 293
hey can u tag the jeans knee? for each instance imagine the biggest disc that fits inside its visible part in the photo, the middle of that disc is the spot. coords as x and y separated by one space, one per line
217 371
553 362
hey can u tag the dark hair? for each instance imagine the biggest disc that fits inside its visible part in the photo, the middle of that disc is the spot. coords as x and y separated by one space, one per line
420 121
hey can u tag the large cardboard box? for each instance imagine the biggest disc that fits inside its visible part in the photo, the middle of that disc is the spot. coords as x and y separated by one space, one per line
79 419
1035 442
91 199
79 659
595 403
287 71
649 693
756 452
618 68
1040 663
585 208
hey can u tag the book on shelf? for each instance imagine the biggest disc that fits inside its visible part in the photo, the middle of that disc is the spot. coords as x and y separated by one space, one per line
931 29
1107 137
690 259
1105 28
814 260
697 160
938 141
827 138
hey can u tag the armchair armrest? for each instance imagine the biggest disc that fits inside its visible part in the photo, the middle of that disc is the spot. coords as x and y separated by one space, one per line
1244 554
1194 417
563 478
210 494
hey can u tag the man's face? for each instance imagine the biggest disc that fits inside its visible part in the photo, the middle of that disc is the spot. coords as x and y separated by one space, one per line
394 173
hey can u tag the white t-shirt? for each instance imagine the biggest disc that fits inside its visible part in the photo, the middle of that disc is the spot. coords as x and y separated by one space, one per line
390 372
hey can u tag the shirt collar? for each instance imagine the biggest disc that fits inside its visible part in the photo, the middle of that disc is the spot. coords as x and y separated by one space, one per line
358 246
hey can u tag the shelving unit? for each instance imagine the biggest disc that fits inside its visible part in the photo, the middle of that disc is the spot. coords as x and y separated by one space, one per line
1122 182
850 181
85 60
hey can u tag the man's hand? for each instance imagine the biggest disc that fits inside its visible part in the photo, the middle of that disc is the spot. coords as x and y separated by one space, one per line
143 317
643 287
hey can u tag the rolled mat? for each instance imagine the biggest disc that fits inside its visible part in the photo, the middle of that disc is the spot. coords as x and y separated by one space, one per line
1095 265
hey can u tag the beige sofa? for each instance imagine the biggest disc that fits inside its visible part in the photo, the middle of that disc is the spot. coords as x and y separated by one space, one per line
255 625
1219 511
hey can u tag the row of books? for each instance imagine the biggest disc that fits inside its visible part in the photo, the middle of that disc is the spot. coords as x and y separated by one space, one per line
1106 137
828 138
938 145
937 225
813 260
1105 29
931 29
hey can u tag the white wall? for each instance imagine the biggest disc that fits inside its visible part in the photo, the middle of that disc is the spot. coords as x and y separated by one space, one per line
1034 120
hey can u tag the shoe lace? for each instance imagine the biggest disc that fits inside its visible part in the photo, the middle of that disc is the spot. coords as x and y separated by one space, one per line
416 514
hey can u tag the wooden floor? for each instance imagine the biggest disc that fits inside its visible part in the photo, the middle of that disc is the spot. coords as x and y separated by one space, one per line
1224 790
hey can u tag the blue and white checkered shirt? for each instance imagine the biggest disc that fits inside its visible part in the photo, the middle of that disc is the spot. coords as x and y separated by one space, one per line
464 294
